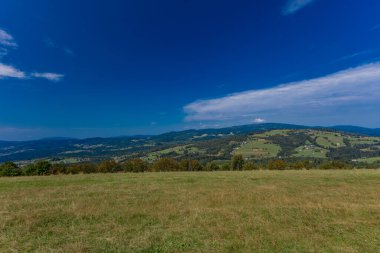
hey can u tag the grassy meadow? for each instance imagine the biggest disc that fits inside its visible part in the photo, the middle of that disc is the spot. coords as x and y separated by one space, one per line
255 211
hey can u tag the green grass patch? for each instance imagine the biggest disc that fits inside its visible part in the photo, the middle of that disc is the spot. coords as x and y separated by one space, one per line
274 132
258 148
369 160
329 139
179 150
310 151
260 211
359 140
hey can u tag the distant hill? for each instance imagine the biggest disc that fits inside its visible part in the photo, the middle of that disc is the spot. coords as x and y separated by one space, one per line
255 141
359 130
57 139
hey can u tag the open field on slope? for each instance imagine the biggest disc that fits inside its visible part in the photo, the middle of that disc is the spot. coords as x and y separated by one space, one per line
256 211
329 139
258 148
178 150
370 160
357 140
310 151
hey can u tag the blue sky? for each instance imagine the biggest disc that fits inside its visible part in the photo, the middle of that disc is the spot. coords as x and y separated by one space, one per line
108 68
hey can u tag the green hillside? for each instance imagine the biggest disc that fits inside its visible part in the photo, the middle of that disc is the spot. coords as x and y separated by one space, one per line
255 142
284 144
316 144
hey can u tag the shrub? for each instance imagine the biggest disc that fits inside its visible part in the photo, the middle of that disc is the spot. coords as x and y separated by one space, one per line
108 166
335 165
212 166
43 167
249 166
86 168
191 165
72 169
226 166
166 164
301 165
30 170
277 165
10 169
135 165
58 168
237 162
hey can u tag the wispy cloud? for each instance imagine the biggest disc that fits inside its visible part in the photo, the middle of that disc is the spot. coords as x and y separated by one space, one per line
6 39
356 89
49 76
375 27
7 42
7 71
368 52
68 51
52 44
293 6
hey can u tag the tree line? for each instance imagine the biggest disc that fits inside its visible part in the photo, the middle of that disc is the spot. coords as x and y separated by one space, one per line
237 162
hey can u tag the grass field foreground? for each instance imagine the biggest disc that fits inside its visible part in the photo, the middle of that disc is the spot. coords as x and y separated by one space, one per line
257 211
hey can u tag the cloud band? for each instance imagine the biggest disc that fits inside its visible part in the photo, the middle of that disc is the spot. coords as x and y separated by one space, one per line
357 87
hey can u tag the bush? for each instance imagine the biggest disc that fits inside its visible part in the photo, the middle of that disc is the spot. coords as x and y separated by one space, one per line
249 166
10 169
166 164
191 165
109 166
301 165
226 166
73 169
58 168
277 165
135 165
30 170
86 168
212 166
335 165
43 167
237 162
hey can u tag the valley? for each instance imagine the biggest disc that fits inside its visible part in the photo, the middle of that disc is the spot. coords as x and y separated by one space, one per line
258 142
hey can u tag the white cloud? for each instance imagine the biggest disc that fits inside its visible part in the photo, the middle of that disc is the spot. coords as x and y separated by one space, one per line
295 5
6 42
49 76
7 71
6 39
10 71
346 95
259 120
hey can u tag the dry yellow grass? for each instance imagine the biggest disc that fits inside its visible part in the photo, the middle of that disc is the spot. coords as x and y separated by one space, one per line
259 211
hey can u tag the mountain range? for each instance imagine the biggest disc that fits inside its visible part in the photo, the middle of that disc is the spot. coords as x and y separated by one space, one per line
255 141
